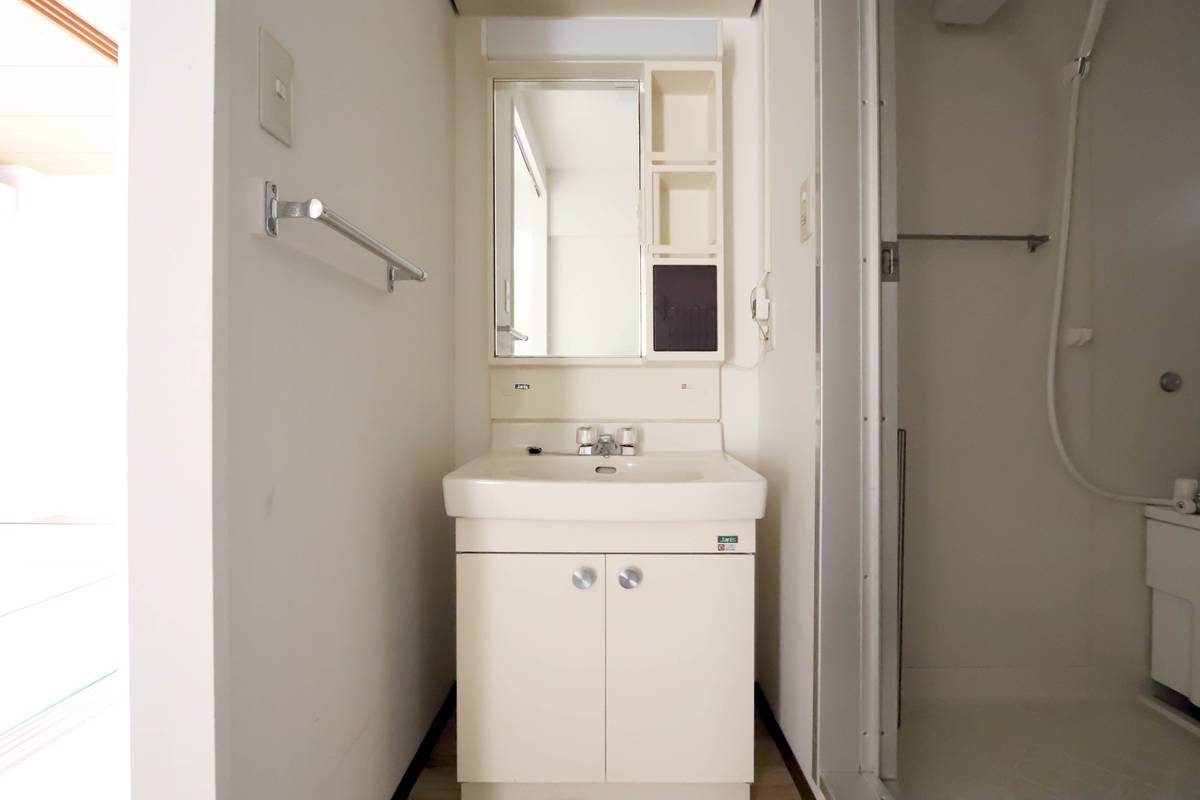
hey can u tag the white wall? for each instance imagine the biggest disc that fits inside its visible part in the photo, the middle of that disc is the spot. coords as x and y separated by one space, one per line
1017 581
745 253
339 559
471 336
787 390
172 386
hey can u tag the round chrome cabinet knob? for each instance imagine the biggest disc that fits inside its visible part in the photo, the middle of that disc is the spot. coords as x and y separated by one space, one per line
630 578
583 578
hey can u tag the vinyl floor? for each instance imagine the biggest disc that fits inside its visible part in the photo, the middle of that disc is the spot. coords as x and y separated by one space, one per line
1091 750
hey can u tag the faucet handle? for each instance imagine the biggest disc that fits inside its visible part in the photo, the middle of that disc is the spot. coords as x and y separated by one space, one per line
585 437
627 438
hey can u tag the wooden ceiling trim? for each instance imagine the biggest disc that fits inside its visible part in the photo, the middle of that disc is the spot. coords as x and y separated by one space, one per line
76 25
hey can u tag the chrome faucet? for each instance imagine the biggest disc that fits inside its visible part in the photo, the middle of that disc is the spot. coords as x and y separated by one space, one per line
606 446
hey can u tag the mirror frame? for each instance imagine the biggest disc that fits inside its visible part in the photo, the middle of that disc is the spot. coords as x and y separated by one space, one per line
535 71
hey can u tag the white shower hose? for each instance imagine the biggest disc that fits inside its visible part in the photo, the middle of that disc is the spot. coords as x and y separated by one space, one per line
1056 317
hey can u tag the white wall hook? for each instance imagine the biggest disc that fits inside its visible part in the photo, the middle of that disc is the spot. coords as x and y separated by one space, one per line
1078 337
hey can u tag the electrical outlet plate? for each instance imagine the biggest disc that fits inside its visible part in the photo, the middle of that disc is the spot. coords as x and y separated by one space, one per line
275 87
760 304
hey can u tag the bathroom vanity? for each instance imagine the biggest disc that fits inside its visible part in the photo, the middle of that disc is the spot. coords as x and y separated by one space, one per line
605 570
605 619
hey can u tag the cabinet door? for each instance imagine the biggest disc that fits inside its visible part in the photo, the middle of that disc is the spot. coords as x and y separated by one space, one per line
530 668
680 668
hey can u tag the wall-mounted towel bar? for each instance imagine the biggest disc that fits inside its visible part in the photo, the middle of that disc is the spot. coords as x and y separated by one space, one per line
398 267
1031 240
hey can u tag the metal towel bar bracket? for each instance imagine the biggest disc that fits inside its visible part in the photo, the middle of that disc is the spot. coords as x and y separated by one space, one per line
398 267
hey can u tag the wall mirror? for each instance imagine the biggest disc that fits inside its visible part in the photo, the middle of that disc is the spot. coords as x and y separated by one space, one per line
567 173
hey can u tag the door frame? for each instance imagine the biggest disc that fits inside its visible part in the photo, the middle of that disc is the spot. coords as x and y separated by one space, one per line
891 549
856 514
177 471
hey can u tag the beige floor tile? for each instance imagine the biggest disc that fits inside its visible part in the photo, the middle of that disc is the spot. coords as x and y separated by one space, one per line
1115 750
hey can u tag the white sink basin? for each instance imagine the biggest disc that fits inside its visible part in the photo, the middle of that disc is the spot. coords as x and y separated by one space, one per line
647 488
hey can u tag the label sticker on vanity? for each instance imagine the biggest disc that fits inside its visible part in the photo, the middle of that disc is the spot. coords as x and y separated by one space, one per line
726 544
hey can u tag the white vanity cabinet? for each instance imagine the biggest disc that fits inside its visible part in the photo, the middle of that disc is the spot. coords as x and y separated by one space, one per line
606 669
530 668
679 677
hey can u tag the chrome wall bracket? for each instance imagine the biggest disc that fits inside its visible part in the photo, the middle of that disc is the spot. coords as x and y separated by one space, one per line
889 262
398 268
271 213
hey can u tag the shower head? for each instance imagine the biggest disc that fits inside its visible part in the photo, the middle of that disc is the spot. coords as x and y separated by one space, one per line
1091 28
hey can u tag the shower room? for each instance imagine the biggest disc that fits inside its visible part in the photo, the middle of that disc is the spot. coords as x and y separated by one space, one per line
1046 354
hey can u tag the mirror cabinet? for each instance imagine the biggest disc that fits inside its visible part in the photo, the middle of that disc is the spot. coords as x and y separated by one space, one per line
607 213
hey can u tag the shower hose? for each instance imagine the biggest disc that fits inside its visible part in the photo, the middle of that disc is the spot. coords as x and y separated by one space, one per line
1056 316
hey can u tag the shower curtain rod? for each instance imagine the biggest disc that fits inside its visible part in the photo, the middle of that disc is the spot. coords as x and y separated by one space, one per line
1031 240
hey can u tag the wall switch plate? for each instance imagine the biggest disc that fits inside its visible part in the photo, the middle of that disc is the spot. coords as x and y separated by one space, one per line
275 89
806 207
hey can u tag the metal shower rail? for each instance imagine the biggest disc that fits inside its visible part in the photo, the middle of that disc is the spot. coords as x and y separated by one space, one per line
399 268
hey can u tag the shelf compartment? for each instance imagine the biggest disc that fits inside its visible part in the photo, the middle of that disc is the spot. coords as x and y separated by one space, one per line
686 215
684 111
686 308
